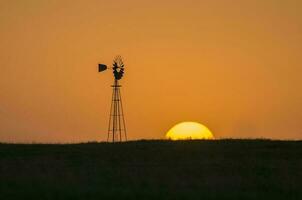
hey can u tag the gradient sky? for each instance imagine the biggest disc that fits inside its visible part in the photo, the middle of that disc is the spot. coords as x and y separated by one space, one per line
233 65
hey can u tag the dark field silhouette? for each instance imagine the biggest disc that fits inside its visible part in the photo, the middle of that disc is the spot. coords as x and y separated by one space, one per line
222 169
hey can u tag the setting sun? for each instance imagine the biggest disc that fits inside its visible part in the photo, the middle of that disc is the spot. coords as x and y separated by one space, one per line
189 130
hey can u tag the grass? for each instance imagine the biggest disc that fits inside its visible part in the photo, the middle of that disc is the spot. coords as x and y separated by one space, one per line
221 169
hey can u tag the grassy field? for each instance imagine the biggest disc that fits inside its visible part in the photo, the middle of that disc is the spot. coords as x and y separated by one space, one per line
222 169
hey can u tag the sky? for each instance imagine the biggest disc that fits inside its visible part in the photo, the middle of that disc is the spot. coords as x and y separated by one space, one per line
232 65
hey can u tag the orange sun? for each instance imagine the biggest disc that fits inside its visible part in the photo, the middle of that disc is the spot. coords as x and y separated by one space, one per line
189 131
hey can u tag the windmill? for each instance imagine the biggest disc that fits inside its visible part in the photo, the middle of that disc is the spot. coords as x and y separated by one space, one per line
117 126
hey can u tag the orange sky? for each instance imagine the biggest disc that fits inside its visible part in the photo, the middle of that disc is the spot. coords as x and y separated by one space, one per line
234 66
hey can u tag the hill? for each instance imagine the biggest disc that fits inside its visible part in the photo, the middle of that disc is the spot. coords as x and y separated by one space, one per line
221 169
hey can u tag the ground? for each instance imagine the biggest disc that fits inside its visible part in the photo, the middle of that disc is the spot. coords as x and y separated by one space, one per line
221 169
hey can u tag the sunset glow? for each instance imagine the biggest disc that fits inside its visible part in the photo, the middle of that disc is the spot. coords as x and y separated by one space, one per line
235 65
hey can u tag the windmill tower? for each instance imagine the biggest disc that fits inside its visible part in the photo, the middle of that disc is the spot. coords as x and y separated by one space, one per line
117 127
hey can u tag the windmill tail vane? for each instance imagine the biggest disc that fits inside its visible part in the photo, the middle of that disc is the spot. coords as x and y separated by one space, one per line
117 126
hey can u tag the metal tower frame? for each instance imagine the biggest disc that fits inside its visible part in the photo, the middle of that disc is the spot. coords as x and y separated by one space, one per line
117 126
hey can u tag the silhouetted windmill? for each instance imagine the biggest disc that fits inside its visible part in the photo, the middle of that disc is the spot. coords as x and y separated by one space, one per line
117 127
